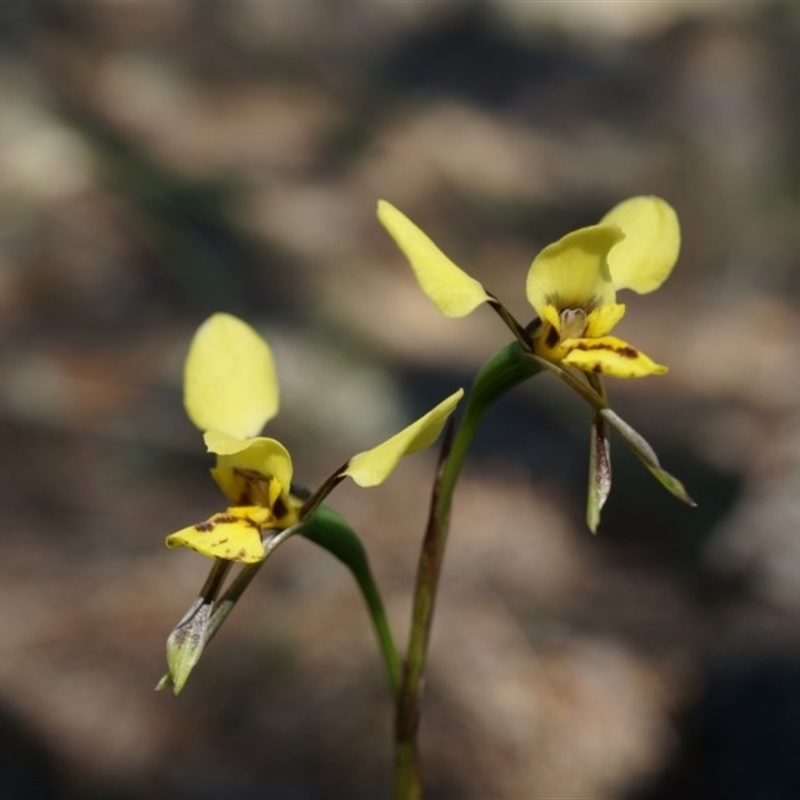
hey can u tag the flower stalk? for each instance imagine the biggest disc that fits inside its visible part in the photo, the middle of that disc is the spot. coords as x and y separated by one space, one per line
509 367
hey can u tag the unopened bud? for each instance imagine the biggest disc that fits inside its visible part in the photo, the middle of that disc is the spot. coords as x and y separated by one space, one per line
185 646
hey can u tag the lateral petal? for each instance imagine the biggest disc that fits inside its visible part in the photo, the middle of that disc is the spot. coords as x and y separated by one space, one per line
374 466
644 259
455 293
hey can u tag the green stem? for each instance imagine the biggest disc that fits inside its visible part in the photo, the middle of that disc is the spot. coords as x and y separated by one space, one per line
328 530
509 367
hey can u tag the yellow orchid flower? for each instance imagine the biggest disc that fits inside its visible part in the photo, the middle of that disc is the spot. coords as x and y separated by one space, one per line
230 392
571 284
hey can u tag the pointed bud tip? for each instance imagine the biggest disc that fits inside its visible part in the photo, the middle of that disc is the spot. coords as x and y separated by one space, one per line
165 683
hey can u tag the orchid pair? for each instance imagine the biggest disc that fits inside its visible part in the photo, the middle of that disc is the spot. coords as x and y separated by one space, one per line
231 392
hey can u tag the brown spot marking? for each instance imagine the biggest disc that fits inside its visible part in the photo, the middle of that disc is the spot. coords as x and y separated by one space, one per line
551 338
222 519
245 520
204 527
222 541
625 352
279 508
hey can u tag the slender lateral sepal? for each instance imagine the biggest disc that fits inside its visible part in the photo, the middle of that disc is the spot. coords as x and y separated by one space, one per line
642 449
599 459
635 441
599 471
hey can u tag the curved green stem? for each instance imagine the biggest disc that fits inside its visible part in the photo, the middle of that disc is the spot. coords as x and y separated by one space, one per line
509 367
328 530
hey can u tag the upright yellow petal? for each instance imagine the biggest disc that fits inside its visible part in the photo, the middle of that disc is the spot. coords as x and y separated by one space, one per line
645 258
374 466
229 379
455 293
572 272
608 355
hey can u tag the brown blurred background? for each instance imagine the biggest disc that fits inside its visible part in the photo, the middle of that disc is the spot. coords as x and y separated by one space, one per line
163 160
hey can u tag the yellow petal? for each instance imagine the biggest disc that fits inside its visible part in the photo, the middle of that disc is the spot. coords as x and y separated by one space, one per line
602 320
572 272
374 466
645 258
610 356
257 474
455 293
229 378
234 535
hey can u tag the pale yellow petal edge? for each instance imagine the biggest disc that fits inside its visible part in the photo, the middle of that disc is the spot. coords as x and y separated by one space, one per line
373 467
